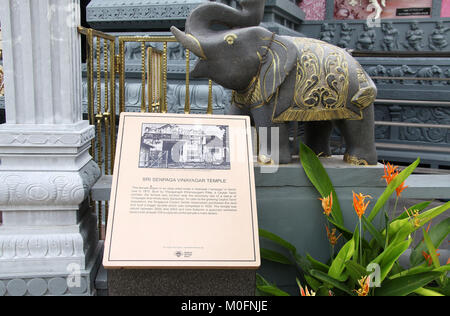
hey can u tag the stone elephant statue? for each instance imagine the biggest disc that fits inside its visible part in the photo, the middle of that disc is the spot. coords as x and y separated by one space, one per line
281 79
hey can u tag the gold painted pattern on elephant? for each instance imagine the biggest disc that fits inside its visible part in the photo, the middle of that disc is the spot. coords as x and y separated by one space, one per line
322 81
366 94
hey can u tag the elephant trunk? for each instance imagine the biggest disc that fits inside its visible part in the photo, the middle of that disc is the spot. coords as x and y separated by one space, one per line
189 42
205 16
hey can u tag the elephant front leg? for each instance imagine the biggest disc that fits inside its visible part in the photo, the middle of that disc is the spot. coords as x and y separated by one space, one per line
273 139
317 137
359 139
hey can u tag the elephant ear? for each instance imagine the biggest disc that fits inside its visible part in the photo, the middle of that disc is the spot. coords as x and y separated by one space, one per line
279 61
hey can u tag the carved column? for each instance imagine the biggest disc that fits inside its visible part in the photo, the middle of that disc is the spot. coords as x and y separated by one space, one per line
48 239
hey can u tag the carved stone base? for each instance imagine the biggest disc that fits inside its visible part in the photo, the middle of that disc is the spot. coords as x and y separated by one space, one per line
48 234
52 249
70 282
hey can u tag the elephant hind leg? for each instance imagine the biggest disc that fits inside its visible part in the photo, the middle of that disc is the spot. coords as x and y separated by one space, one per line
317 137
359 139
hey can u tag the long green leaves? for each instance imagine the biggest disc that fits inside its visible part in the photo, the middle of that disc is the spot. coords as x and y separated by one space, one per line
406 285
318 176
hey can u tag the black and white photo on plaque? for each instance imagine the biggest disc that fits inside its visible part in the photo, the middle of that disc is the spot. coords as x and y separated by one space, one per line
181 146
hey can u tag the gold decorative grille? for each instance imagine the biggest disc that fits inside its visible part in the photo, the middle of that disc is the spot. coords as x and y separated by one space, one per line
2 76
103 65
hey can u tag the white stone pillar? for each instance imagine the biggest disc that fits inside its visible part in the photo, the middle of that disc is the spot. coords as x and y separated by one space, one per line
48 238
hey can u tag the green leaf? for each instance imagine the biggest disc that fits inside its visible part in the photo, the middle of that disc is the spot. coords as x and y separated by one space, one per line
260 280
427 292
303 264
412 271
278 240
331 281
266 287
338 266
389 256
313 283
319 178
437 235
402 176
274 256
445 268
317 265
427 216
356 271
403 228
374 232
406 285
272 290
431 249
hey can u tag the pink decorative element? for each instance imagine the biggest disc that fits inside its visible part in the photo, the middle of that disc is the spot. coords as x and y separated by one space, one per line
445 12
314 9
344 11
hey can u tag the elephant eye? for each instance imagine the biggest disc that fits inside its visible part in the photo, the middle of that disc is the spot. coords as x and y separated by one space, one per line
230 38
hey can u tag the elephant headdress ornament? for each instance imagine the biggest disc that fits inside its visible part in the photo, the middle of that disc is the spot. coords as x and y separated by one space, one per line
279 79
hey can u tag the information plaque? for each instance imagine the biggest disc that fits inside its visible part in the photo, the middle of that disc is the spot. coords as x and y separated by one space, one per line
183 194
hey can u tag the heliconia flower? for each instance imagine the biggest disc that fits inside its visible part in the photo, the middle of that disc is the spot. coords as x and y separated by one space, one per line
390 172
332 236
359 205
400 189
305 292
448 261
364 285
429 258
327 204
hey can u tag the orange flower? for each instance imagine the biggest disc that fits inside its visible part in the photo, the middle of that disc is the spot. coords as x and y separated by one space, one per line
327 204
358 203
305 292
428 257
390 172
448 261
400 189
364 285
332 236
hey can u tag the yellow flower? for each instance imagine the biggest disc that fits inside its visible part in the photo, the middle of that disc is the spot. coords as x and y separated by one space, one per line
364 285
359 205
413 215
327 204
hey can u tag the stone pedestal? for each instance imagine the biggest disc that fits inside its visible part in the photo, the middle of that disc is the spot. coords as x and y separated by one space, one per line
181 282
48 238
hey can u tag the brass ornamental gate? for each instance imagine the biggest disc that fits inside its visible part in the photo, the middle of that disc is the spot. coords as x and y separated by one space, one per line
104 65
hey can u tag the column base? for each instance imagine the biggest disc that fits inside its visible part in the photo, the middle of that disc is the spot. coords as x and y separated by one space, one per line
64 283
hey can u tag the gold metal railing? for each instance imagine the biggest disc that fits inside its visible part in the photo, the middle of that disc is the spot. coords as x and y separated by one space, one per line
101 95
2 75
103 66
